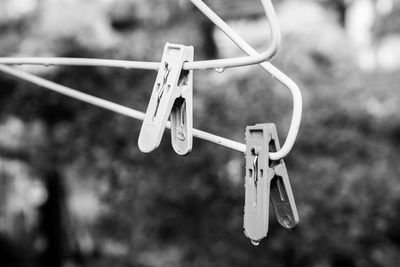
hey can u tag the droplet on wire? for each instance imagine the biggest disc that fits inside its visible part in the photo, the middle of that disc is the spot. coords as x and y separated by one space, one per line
220 70
255 242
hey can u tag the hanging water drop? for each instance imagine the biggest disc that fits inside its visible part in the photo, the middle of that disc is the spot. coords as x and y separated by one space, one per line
220 70
255 242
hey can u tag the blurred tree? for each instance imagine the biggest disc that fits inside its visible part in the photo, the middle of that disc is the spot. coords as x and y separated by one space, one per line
388 23
339 7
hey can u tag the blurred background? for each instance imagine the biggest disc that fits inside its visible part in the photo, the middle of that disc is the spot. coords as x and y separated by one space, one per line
76 191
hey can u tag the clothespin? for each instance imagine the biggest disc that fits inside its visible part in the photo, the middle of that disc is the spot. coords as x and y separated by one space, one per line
266 179
172 97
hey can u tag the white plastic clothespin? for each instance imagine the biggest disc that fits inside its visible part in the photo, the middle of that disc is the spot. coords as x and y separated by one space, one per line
265 180
172 97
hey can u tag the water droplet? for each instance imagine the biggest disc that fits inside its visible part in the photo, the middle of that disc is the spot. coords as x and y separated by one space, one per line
255 242
220 70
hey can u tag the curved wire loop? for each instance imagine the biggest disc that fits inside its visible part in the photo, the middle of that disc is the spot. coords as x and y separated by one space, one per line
275 72
255 58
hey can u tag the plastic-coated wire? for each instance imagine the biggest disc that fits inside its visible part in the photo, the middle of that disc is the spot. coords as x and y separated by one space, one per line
256 58
63 61
111 106
271 69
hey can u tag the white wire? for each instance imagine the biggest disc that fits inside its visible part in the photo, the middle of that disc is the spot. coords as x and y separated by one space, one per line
256 58
275 72
196 65
296 113
61 89
80 62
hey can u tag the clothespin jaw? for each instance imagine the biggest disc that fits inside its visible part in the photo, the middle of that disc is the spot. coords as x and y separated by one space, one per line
265 180
282 197
172 95
182 112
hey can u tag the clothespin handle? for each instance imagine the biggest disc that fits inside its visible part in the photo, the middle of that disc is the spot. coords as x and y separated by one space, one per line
165 92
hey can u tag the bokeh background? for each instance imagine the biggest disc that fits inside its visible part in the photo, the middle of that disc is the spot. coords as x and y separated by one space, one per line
76 191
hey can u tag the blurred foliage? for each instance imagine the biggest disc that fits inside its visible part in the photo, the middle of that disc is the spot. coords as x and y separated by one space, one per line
388 23
160 209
